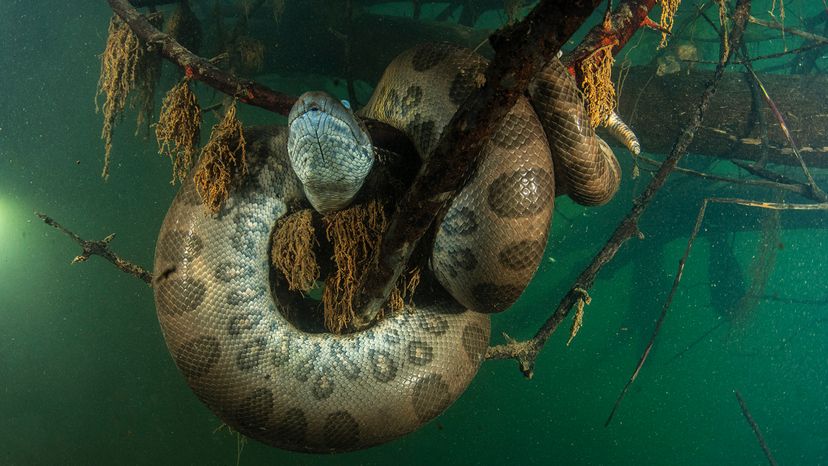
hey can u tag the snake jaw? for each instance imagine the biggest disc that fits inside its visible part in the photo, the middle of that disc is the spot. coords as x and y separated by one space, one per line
329 149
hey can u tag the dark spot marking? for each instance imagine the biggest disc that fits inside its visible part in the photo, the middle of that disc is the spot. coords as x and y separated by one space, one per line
431 397
383 365
343 361
521 193
281 351
433 323
290 429
341 431
465 259
462 221
177 296
180 246
420 353
243 296
252 416
522 254
196 357
322 386
475 341
428 56
306 365
229 271
392 336
494 298
251 353
242 323
422 134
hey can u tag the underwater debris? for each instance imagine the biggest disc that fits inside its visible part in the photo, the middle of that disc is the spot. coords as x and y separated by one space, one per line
148 72
185 27
584 300
222 158
668 14
120 70
278 7
178 128
293 253
599 92
250 53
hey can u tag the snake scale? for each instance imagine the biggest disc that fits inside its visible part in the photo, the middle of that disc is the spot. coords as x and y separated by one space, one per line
319 392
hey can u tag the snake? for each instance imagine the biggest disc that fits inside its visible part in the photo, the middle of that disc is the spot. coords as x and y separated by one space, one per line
229 333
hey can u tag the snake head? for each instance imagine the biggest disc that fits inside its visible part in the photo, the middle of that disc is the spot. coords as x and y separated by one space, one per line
330 150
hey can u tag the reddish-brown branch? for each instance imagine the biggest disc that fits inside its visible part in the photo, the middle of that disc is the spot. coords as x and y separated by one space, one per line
623 23
247 91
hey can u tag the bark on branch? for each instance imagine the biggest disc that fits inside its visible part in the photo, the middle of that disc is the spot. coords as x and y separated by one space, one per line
520 50
247 91
99 248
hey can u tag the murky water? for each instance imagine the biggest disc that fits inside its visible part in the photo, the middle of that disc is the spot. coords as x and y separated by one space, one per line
85 377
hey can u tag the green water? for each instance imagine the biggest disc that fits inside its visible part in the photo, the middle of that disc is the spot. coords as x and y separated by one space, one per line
85 377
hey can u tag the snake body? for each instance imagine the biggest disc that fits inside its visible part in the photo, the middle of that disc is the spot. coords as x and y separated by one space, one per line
319 392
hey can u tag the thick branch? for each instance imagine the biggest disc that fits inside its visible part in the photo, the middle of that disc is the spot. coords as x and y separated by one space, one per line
99 248
520 50
526 352
624 21
199 68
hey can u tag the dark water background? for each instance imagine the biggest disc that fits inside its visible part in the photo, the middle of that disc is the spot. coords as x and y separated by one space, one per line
85 377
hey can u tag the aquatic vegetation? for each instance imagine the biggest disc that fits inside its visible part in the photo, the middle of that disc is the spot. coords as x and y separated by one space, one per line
250 53
355 233
578 321
597 86
222 158
120 68
668 14
293 253
178 128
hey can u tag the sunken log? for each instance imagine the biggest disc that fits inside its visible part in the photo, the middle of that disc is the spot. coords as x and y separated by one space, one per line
657 107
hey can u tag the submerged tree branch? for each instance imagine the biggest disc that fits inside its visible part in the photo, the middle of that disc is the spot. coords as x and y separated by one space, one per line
623 23
520 51
755 427
99 248
247 91
525 352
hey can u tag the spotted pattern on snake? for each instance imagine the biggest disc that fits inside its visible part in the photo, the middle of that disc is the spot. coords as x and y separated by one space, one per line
319 392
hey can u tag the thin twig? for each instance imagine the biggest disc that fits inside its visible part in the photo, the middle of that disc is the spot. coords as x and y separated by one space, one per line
755 428
661 317
796 32
794 187
99 248
680 271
